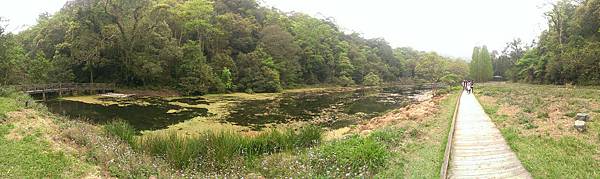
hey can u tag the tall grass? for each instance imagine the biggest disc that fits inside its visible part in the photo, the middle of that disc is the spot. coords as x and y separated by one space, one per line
217 150
122 130
350 157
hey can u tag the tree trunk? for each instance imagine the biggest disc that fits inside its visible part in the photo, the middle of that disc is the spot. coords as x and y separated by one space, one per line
91 71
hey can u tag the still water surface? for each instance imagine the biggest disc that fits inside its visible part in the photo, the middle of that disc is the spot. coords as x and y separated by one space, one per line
152 113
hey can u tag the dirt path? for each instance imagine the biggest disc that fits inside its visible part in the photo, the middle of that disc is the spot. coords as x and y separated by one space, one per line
478 149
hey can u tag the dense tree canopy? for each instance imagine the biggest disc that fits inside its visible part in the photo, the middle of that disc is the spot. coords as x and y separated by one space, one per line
198 46
569 51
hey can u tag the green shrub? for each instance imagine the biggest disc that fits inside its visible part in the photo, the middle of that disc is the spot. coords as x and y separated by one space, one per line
372 80
12 100
344 81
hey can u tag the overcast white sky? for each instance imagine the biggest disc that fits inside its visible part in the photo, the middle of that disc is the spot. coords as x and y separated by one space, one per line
450 27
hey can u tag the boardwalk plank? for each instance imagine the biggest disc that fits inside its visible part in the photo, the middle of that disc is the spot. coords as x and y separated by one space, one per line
478 148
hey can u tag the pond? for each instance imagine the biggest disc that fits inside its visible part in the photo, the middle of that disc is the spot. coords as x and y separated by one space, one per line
333 108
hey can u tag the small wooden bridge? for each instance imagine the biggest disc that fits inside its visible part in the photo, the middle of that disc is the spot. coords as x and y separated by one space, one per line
62 88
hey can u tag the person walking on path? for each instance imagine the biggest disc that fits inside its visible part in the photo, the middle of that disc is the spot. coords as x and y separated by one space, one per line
468 86
471 84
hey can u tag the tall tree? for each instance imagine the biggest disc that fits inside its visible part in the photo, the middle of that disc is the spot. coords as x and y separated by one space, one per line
481 68
485 65
474 65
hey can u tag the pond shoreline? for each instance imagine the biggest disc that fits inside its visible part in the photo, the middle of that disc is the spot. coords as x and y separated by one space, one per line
103 151
330 107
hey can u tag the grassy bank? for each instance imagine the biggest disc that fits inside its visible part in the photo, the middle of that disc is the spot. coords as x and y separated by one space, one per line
419 147
537 122
37 144
69 148
215 151
26 151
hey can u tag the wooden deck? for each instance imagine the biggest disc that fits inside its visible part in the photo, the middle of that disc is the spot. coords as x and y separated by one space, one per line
62 88
478 149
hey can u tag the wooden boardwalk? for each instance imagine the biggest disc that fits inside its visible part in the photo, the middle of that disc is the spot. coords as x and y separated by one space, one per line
478 149
61 88
64 87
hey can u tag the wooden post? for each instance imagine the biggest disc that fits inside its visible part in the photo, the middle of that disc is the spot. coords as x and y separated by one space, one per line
60 90
44 88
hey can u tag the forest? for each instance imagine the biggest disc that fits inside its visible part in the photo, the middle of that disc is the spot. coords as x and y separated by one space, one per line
205 46
566 53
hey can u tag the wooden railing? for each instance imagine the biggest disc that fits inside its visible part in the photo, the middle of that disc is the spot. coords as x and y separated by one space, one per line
64 87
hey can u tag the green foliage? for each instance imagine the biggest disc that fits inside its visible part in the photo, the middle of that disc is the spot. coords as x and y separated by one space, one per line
122 130
12 58
218 150
432 68
344 81
451 79
6 105
568 51
38 70
30 158
372 80
187 45
258 73
195 75
503 62
12 100
226 78
350 157
280 45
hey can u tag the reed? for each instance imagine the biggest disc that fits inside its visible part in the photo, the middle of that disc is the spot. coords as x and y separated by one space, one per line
217 150
350 157
122 130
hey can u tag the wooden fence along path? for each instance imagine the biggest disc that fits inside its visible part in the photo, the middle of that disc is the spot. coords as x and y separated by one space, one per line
61 88
477 148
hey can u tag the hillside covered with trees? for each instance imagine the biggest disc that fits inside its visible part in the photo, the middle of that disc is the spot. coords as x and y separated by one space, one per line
567 53
202 46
